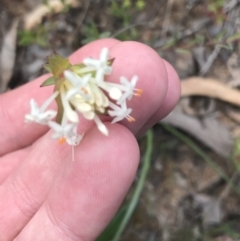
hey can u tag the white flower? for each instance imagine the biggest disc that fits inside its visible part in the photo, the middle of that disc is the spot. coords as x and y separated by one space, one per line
70 113
100 125
101 65
120 112
113 90
83 90
74 139
38 114
129 88
78 84
65 132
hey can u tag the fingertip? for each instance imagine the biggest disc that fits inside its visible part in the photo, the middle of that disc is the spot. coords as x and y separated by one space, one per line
174 86
119 144
171 99
15 114
88 191
92 48
134 58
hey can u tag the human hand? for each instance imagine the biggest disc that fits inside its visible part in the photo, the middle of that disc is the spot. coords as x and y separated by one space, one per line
46 196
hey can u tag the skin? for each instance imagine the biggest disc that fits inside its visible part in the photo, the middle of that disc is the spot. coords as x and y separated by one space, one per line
44 195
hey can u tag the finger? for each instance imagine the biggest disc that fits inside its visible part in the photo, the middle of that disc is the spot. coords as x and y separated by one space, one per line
26 188
133 58
14 133
151 102
11 161
88 191
170 101
153 77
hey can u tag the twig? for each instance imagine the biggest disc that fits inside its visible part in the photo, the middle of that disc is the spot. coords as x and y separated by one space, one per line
35 17
227 189
210 60
207 130
83 18
165 26
129 27
211 88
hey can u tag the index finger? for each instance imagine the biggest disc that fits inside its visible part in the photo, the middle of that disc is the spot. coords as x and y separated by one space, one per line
130 58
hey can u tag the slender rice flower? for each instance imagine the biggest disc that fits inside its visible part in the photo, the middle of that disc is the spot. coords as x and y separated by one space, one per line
129 89
100 65
67 132
120 112
78 84
38 114
81 91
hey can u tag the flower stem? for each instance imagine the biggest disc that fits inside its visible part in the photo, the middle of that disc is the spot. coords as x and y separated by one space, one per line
139 187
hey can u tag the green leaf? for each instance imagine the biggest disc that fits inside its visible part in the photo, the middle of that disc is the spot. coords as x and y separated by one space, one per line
47 82
76 67
233 38
112 228
106 34
110 61
58 64
47 67
182 51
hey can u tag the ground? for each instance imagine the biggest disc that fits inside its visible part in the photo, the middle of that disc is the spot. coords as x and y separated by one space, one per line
192 187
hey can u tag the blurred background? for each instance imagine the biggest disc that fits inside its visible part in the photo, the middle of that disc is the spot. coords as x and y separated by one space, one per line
188 184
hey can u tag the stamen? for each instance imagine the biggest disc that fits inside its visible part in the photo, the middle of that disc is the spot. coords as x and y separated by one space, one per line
138 92
61 140
130 118
84 90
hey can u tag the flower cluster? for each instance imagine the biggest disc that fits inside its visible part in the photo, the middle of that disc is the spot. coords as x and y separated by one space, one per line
82 89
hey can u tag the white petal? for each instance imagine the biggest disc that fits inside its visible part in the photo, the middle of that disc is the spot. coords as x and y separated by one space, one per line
56 135
115 93
107 70
85 79
74 140
105 101
124 80
88 115
70 113
91 62
55 126
100 76
72 77
113 113
101 126
104 54
71 93
29 118
134 80
117 119
84 70
126 95
84 107
47 115
67 128
97 95
34 107
114 107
